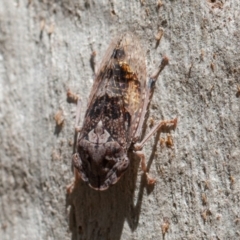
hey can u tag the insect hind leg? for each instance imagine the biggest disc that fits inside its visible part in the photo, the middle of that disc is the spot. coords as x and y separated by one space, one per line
141 154
162 126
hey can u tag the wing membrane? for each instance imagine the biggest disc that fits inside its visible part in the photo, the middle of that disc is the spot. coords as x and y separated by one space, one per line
117 94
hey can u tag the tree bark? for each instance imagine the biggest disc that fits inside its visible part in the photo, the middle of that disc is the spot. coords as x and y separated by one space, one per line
45 49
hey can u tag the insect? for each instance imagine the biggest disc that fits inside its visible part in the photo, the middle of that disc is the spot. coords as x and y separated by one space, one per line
115 115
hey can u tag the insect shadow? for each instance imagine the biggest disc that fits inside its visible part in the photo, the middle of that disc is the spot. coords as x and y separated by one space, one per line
58 129
102 214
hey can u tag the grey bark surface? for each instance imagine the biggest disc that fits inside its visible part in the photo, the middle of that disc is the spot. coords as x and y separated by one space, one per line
45 47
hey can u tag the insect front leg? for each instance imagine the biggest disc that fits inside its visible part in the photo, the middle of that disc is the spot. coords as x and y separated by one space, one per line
75 164
93 63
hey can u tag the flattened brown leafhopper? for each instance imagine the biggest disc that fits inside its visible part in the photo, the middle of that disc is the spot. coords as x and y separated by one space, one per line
115 115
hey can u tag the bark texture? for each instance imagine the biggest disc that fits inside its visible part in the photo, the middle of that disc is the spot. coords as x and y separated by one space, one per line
45 49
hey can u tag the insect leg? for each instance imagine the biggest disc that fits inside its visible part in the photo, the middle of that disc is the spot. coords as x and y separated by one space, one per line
141 154
75 157
78 115
75 163
148 97
164 126
93 63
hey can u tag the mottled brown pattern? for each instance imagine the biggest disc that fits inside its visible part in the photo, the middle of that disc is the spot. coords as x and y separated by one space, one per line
112 115
122 77
115 115
111 112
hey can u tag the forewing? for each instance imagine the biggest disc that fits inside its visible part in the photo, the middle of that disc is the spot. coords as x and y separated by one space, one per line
100 78
118 91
